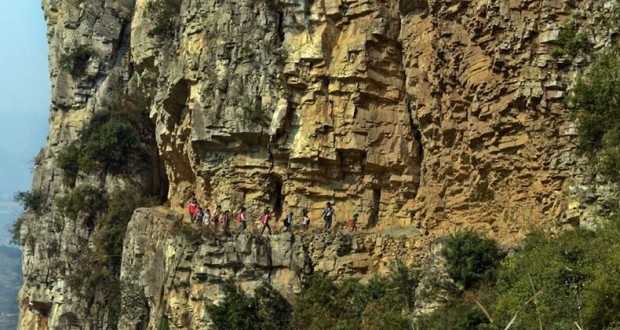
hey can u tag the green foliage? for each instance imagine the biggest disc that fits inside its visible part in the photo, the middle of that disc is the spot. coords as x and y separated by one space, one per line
318 307
570 41
471 258
595 103
76 60
15 231
267 309
97 272
383 303
85 199
164 324
108 143
558 282
68 161
162 14
456 314
32 201
111 226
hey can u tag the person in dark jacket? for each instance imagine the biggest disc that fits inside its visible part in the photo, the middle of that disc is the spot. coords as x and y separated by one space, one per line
327 215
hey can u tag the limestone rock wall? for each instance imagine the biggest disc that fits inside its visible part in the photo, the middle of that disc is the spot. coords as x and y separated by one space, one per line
174 275
424 116
435 114
489 99
287 104
53 243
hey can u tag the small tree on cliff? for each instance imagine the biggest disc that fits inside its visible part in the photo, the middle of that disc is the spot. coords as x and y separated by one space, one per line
471 258
267 309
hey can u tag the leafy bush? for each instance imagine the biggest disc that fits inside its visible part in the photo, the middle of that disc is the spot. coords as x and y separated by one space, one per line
85 199
15 230
162 14
267 309
570 41
111 226
471 258
562 281
108 143
33 201
318 306
456 314
383 303
68 161
164 324
596 106
76 60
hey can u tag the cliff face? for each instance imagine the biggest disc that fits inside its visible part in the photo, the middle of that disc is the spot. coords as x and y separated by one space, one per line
423 116
172 275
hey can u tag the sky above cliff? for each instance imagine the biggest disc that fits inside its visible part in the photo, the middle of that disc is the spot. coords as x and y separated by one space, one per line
24 99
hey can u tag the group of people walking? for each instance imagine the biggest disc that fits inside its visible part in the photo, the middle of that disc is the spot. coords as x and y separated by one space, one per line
200 215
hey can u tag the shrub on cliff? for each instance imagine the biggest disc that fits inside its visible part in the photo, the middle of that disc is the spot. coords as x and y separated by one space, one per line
107 143
162 13
110 143
267 309
471 258
570 41
111 226
32 201
15 230
75 61
455 314
86 200
68 161
596 106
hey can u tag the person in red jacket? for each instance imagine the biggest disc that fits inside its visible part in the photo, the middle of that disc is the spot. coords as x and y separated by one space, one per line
241 218
353 222
264 219
192 207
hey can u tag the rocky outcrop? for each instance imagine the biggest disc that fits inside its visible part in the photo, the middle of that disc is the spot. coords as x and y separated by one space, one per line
423 116
173 271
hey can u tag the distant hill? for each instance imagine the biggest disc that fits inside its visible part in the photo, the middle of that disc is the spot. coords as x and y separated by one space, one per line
10 279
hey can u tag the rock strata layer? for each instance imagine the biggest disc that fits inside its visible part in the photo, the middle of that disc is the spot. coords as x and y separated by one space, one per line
168 274
423 116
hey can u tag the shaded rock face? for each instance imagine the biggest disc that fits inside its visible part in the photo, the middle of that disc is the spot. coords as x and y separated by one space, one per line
423 116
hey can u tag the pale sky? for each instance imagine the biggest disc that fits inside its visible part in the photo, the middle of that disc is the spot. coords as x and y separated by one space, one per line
24 98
